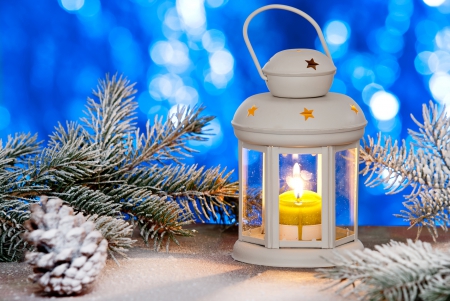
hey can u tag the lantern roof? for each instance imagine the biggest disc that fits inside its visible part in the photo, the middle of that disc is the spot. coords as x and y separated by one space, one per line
299 63
333 119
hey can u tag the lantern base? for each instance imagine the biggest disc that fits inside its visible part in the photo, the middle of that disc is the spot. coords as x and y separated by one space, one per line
288 257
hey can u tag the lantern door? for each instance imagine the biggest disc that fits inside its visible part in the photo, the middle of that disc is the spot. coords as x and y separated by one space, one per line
251 193
346 193
298 197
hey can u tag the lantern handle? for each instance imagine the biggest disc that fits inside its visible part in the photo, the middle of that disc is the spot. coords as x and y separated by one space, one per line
283 7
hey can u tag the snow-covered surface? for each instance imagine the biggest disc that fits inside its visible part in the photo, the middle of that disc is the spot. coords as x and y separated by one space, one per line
200 269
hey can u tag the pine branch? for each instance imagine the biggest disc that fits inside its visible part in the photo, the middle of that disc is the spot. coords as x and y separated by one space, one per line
395 271
200 191
105 168
13 213
164 141
424 167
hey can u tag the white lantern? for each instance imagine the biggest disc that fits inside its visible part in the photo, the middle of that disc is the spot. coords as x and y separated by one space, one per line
298 161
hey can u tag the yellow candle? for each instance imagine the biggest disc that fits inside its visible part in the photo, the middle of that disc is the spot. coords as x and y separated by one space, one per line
301 212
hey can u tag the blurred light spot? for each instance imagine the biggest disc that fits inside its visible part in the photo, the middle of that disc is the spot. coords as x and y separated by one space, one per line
398 23
361 77
221 62
443 39
433 3
157 111
215 130
192 13
338 86
337 32
369 91
90 8
384 105
216 3
120 37
421 62
401 7
72 5
186 95
164 86
440 86
5 117
172 20
389 41
337 51
171 53
439 61
426 31
213 40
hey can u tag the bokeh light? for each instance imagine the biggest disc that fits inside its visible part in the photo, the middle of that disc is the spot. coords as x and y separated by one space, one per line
383 105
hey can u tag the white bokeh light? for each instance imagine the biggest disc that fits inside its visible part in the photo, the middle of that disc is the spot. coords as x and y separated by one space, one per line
216 3
192 14
443 39
213 40
72 5
170 53
337 32
440 86
434 3
384 105
221 62
163 87
186 95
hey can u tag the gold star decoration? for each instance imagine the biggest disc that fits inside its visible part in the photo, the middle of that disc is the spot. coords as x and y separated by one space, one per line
311 64
251 111
307 113
354 109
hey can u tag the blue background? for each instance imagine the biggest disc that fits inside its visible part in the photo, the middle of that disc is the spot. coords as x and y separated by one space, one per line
392 56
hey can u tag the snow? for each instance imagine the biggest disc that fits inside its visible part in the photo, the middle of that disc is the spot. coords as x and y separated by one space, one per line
200 269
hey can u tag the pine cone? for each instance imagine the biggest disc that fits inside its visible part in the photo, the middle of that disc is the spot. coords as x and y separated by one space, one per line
69 252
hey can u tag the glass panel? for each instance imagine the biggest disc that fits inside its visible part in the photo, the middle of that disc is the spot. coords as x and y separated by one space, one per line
346 173
252 180
300 198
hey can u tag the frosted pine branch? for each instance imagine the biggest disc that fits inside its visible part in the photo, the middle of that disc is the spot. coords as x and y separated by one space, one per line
105 167
396 271
423 167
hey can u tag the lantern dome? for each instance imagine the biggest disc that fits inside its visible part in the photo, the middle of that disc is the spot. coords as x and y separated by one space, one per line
333 119
299 73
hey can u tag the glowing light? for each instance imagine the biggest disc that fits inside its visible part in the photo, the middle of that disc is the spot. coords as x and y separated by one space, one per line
172 20
440 86
337 32
338 86
72 5
433 3
216 3
443 39
369 91
164 86
5 117
296 182
192 13
384 105
421 62
172 53
186 95
213 40
221 62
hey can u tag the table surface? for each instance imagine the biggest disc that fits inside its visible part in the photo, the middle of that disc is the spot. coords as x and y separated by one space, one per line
201 268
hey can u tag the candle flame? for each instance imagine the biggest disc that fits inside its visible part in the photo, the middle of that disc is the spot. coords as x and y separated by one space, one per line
296 182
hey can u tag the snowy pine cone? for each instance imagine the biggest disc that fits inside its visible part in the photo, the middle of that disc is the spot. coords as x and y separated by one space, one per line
69 253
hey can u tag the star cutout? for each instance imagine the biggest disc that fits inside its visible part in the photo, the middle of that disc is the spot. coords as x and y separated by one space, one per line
311 64
307 113
354 109
251 111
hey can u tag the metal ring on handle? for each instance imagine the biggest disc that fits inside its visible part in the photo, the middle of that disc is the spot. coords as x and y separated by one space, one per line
283 7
